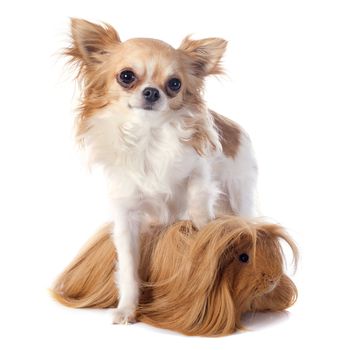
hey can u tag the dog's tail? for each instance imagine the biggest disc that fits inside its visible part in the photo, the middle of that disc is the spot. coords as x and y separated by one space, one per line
89 280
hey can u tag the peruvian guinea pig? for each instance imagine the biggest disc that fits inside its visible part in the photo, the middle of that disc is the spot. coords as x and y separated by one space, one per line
193 282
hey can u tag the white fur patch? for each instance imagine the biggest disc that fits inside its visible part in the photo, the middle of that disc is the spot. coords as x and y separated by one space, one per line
154 177
237 178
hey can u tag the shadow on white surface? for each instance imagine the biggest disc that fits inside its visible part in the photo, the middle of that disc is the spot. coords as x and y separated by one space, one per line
254 321
251 322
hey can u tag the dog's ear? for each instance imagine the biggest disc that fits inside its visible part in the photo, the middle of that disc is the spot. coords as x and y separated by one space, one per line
205 55
91 42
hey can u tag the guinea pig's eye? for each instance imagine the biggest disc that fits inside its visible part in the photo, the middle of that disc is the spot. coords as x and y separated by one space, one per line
126 78
173 85
244 258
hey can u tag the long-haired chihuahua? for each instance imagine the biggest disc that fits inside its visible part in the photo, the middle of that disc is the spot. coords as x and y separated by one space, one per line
165 155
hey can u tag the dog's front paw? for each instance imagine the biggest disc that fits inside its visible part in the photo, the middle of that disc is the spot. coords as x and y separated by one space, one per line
124 315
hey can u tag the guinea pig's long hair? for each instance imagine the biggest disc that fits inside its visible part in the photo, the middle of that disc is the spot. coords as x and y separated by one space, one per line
191 280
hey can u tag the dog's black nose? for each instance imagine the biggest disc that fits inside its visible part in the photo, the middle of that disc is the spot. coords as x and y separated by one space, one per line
151 94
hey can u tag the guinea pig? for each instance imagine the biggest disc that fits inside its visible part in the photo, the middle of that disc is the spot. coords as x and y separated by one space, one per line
193 282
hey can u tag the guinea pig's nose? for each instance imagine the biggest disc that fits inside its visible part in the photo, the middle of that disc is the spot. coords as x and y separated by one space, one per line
270 281
151 94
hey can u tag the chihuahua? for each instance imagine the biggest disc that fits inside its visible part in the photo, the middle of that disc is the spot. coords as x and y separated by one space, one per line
166 156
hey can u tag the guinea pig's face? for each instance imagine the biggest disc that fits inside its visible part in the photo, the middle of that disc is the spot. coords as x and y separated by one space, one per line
257 268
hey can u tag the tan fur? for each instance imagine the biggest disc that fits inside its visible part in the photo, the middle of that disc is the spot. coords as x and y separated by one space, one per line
193 281
91 45
205 55
100 55
230 134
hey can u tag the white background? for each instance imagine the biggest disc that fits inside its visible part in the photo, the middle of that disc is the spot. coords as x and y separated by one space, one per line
288 64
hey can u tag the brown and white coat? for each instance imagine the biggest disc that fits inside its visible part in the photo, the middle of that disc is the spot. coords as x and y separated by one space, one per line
173 160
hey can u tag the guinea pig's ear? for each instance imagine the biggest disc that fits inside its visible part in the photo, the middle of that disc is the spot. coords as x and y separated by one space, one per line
91 42
205 55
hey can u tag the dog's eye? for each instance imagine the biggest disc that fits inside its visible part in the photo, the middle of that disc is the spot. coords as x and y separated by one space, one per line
244 258
126 78
174 84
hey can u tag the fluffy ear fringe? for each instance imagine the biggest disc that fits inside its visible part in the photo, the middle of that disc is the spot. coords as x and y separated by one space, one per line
205 55
90 44
90 41
187 280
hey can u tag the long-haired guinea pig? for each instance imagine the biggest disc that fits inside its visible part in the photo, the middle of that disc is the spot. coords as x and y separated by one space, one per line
193 282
